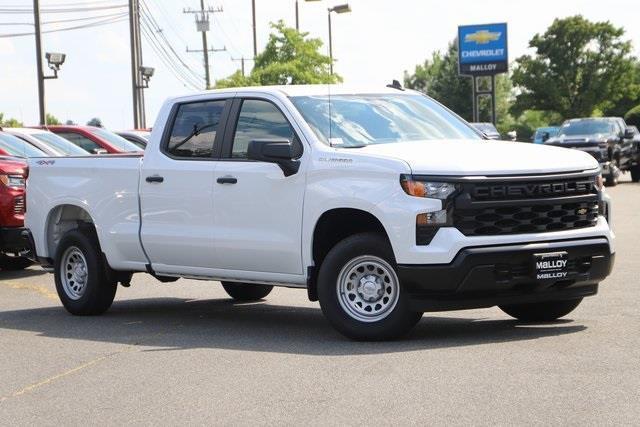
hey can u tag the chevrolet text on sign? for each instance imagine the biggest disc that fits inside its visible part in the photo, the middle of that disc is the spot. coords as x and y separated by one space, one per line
482 49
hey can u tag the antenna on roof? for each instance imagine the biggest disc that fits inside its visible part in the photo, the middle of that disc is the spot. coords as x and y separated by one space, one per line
395 85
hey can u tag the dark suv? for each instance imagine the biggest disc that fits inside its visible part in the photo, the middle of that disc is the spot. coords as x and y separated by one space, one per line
608 139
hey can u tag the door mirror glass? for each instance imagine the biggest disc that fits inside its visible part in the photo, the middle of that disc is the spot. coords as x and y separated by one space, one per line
278 151
629 133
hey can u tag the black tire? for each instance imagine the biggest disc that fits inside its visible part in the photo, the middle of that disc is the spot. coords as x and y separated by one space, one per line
542 311
339 262
635 173
99 285
246 291
611 180
10 263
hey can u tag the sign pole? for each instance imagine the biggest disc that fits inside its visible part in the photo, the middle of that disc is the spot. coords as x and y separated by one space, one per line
493 99
474 115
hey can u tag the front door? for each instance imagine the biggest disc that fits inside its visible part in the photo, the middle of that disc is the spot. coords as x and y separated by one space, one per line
258 211
176 189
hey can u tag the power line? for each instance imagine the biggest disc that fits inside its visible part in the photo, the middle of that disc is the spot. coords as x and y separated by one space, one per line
146 15
112 20
61 10
164 56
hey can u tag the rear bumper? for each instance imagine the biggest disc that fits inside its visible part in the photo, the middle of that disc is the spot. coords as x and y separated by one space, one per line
11 240
493 275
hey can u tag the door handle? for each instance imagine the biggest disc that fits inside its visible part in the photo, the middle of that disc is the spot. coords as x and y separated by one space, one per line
155 178
227 180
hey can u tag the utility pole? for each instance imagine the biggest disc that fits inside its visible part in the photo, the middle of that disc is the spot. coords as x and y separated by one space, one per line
136 61
242 61
36 21
203 25
297 18
255 40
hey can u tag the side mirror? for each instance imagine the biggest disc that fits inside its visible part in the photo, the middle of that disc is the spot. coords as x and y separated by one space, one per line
629 133
279 151
545 136
100 151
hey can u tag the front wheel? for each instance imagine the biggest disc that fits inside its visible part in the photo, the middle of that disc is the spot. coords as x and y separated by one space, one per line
635 173
541 311
83 281
359 290
246 291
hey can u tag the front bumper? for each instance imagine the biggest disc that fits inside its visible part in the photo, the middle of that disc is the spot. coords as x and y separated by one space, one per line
12 240
493 275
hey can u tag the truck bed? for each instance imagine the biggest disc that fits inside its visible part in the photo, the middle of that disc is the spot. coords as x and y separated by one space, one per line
105 187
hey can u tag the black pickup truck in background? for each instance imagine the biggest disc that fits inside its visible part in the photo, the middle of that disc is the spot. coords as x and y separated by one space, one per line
608 139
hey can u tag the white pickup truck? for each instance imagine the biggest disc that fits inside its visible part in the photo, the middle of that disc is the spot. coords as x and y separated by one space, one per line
382 203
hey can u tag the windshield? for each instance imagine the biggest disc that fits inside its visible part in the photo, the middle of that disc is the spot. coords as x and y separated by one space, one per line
586 127
487 128
60 144
17 147
360 120
116 140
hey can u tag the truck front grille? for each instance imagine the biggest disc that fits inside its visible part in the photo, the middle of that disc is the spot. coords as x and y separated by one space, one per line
516 206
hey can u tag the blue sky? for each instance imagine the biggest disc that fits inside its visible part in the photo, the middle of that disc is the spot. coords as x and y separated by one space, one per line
373 45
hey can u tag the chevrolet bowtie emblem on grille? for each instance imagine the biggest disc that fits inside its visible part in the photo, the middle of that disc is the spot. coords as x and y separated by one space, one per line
482 37
582 211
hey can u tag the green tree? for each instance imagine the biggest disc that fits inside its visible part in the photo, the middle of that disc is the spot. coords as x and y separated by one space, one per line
51 119
95 122
578 67
633 116
438 77
9 123
290 57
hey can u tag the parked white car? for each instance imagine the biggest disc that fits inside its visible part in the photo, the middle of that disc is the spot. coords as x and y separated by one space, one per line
381 202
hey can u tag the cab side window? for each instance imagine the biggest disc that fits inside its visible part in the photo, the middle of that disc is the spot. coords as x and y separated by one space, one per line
194 129
259 120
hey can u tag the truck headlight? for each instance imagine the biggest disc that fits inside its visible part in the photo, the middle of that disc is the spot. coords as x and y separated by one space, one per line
15 181
423 188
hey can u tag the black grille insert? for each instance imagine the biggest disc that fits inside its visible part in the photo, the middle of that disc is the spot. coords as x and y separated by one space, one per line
516 206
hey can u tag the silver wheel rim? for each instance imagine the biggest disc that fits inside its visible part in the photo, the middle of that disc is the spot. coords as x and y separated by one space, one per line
368 288
74 274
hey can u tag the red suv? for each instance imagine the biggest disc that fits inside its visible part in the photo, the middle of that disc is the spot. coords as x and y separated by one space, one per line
94 140
13 174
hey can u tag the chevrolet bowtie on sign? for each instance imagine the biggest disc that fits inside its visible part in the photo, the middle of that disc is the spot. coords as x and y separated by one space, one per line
482 49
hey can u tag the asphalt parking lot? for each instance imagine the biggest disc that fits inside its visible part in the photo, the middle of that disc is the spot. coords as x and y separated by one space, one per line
184 353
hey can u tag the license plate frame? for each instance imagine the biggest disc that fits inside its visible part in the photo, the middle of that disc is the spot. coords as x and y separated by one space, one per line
550 266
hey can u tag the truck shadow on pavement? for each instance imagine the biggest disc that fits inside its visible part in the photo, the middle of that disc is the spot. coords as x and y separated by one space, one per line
179 324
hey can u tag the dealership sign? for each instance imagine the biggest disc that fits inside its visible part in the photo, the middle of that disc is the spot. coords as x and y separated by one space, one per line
482 49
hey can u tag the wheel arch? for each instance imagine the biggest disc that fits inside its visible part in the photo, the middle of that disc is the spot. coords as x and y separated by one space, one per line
332 226
61 219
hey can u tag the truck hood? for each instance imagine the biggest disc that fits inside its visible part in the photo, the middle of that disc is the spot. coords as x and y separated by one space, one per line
480 157
579 139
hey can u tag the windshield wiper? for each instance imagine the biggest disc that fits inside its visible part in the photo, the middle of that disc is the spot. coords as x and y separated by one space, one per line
196 131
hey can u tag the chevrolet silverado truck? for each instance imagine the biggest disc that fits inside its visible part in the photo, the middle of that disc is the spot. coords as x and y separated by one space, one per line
381 203
608 139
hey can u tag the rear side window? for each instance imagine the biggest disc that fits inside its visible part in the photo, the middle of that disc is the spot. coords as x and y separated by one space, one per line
80 140
259 120
194 129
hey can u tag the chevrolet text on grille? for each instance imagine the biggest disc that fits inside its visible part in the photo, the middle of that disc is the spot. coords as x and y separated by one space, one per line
534 189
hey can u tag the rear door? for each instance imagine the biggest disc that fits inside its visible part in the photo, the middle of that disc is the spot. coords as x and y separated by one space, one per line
176 188
258 211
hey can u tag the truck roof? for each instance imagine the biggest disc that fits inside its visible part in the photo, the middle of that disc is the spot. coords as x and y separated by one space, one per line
305 90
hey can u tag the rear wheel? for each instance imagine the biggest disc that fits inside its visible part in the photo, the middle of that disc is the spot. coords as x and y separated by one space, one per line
541 311
246 291
13 263
84 282
359 291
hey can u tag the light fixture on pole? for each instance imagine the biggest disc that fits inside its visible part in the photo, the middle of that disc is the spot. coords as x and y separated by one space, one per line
146 73
341 8
54 61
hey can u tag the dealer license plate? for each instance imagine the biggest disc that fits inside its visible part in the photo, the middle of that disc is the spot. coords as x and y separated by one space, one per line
550 266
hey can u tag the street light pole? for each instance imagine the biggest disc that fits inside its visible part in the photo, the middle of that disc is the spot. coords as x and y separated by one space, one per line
297 18
330 43
342 8
36 21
